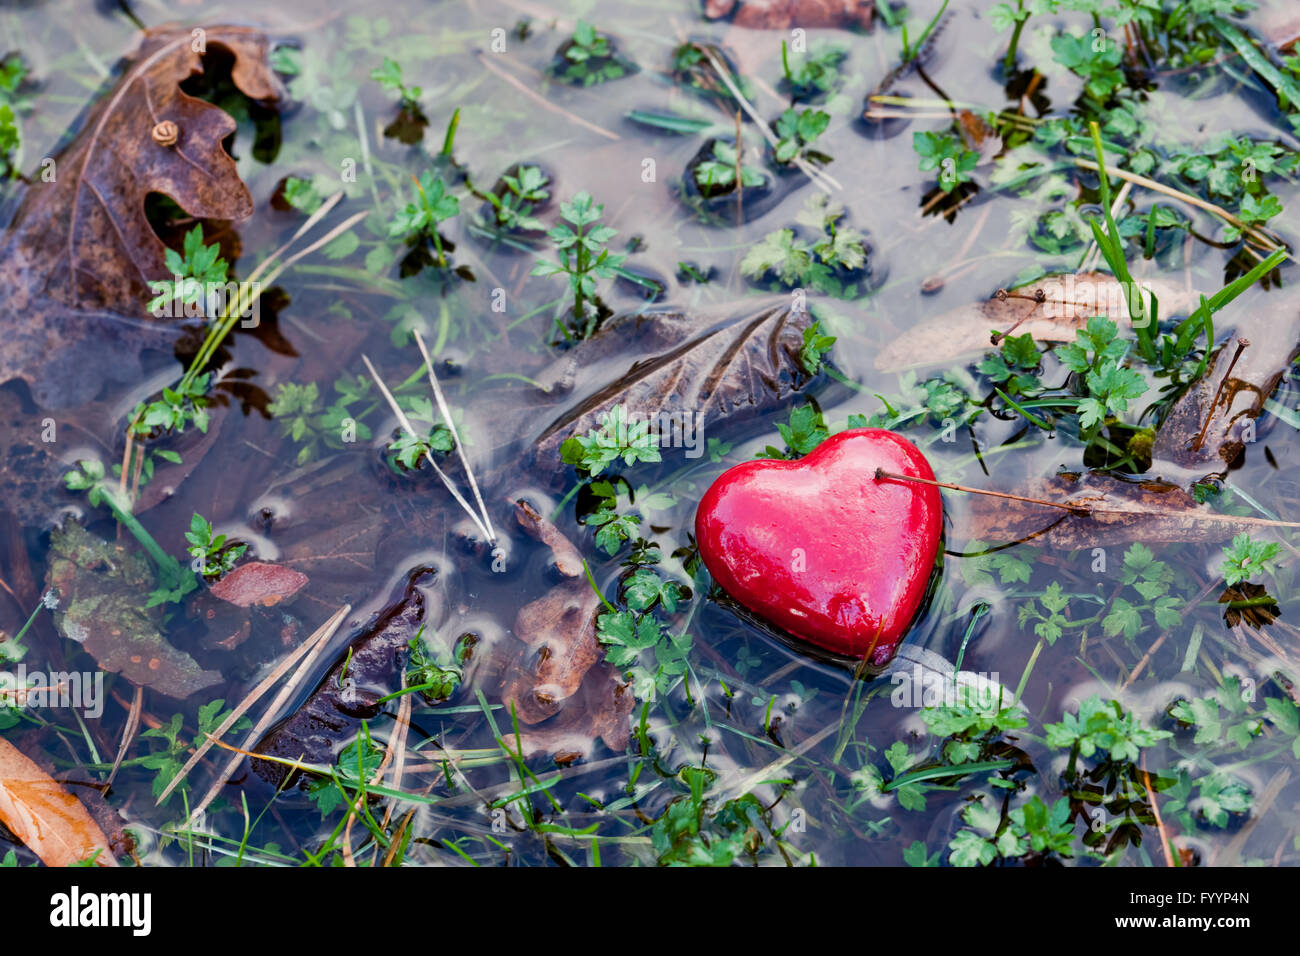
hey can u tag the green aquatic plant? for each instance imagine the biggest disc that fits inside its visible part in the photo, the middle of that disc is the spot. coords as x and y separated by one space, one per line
524 190
389 76
213 555
13 71
946 153
589 58
797 131
194 272
1246 558
302 418
717 173
615 439
418 221
816 258
174 581
815 72
582 256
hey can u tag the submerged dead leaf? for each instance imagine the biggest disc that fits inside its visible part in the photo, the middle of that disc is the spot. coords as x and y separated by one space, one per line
979 136
558 676
79 254
568 560
1255 615
1111 512
31 475
783 14
259 583
1280 27
736 368
1068 301
1210 425
601 711
101 588
50 821
368 669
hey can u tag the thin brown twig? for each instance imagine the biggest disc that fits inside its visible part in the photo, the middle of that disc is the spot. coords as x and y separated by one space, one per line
1200 437
410 430
894 476
348 858
1261 237
396 840
542 101
128 733
1155 809
399 763
1159 641
126 457
322 634
455 435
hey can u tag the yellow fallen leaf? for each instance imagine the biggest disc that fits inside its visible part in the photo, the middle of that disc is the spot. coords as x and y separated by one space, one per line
49 820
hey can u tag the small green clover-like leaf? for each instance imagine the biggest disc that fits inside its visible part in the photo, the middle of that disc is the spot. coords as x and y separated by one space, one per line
1246 558
968 848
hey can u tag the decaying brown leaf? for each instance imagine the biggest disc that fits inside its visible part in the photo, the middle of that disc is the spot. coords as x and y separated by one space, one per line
568 560
733 369
101 589
369 669
79 254
979 136
1254 615
1279 25
1068 301
558 676
783 14
50 821
600 710
1209 426
1110 512
259 583
31 475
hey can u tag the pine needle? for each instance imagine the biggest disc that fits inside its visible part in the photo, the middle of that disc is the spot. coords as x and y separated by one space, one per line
406 425
451 426
316 643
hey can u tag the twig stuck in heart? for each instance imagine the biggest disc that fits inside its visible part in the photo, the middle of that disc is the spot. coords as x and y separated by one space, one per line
1073 509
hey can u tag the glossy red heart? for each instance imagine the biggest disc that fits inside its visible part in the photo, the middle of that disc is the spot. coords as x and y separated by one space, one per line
822 547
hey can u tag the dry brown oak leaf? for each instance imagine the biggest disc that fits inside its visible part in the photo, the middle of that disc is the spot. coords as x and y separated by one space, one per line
78 257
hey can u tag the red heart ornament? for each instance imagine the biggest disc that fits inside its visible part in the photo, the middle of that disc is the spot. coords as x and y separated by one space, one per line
821 546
